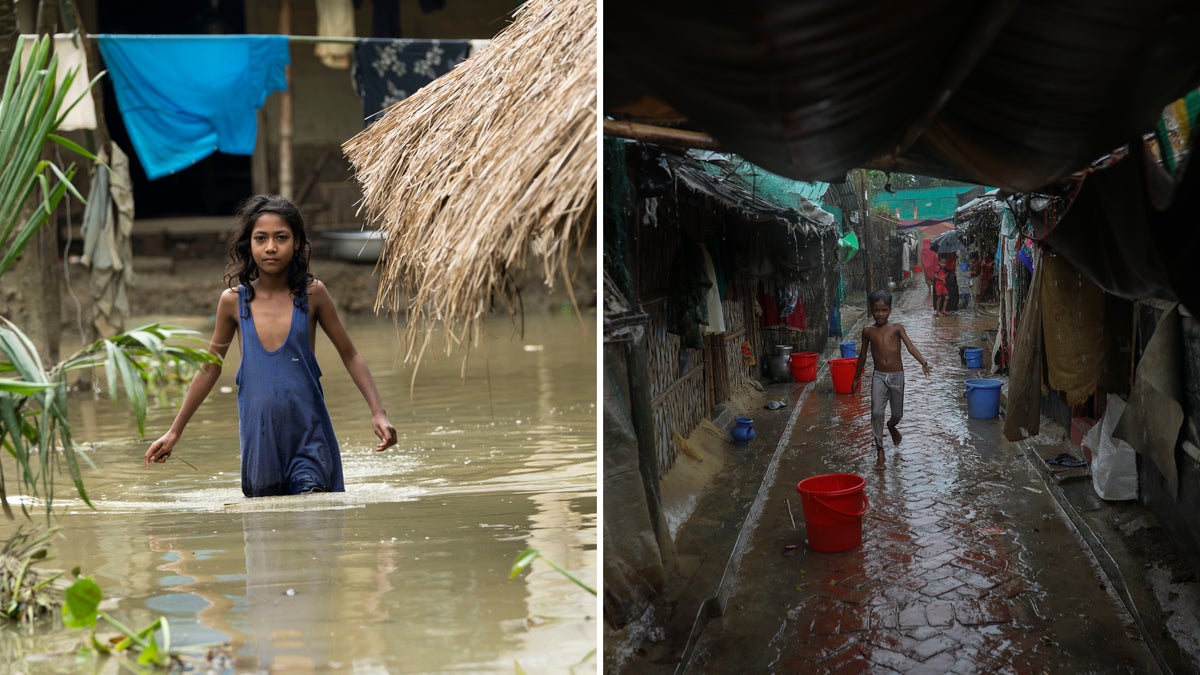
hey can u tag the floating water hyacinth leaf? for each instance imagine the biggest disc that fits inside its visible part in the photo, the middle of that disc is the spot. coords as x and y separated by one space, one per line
526 558
81 603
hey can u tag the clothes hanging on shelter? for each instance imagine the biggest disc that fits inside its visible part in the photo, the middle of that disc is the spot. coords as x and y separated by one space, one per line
386 71
335 18
385 18
1027 372
1072 330
712 299
1154 415
687 307
71 56
107 240
773 313
182 97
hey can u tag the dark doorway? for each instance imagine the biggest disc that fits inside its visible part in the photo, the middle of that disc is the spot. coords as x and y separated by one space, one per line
215 185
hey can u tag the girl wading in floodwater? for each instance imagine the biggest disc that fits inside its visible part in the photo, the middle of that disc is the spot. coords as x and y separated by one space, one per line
288 444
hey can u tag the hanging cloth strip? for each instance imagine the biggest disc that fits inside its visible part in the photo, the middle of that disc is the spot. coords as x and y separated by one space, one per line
71 56
182 97
386 71
335 18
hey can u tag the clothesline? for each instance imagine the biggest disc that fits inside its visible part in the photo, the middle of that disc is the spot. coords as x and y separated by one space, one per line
307 39
183 97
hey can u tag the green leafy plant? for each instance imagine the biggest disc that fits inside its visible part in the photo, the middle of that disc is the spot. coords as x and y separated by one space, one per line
31 110
148 647
33 399
34 429
525 559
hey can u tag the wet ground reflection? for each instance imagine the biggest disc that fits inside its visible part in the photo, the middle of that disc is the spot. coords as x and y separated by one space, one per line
966 562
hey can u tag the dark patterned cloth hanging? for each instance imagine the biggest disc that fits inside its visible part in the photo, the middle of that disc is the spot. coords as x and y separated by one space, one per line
686 308
389 70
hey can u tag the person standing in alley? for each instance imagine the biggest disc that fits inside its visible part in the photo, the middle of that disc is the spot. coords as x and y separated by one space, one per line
940 291
887 380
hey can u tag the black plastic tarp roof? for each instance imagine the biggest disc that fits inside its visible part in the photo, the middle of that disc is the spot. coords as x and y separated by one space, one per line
1011 94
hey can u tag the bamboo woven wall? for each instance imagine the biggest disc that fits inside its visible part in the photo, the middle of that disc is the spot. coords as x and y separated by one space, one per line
739 316
677 391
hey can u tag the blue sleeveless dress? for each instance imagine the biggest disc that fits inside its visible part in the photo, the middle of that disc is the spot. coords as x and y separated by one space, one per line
288 444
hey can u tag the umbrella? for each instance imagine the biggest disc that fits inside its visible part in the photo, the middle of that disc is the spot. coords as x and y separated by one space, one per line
946 242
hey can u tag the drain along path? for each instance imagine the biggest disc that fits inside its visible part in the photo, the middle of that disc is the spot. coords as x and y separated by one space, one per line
967 563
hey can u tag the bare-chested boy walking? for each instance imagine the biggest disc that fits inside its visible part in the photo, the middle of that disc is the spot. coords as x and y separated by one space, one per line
887 382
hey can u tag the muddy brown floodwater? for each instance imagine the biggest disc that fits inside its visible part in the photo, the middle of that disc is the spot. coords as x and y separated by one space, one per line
406 571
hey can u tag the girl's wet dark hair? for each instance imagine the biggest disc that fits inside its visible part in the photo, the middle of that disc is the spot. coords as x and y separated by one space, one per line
881 295
243 270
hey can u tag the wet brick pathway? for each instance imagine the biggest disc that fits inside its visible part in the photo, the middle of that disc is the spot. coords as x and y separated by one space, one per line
967 564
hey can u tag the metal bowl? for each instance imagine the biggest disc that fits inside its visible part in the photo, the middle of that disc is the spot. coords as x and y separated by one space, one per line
356 246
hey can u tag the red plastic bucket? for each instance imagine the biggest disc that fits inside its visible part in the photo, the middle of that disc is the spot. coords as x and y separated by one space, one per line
803 366
834 504
842 372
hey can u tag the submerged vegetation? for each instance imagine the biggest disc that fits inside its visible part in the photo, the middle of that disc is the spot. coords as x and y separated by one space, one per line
525 559
28 594
35 432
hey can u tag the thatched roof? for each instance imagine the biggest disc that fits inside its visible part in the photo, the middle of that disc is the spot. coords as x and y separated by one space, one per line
485 168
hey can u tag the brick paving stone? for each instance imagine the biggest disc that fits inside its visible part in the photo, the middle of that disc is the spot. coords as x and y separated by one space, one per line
889 659
995 611
818 648
938 560
846 663
939 613
975 579
890 640
939 587
969 613
939 664
936 550
841 593
885 616
1011 587
913 614
934 645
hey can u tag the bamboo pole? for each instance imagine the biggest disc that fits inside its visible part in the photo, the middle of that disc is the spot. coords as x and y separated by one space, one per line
285 109
867 239
660 135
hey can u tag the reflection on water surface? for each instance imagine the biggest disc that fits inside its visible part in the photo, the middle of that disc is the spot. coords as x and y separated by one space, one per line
407 571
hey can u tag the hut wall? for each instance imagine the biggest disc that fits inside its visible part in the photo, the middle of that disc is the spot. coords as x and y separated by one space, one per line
686 384
678 392
817 294
739 310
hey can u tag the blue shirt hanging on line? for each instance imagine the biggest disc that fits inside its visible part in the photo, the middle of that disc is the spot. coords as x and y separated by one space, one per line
183 97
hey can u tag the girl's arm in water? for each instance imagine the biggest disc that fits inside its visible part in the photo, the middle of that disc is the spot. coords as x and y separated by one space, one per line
321 303
202 383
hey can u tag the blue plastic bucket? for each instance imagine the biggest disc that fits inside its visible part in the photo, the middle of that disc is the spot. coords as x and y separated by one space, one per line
849 349
974 357
983 398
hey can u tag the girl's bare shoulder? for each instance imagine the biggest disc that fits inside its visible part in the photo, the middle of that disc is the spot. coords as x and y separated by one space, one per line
229 297
317 287
227 305
318 294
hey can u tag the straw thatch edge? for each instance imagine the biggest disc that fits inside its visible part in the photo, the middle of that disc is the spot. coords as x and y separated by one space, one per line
482 169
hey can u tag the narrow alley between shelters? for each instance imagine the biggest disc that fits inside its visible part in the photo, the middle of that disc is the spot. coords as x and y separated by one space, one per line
967 563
